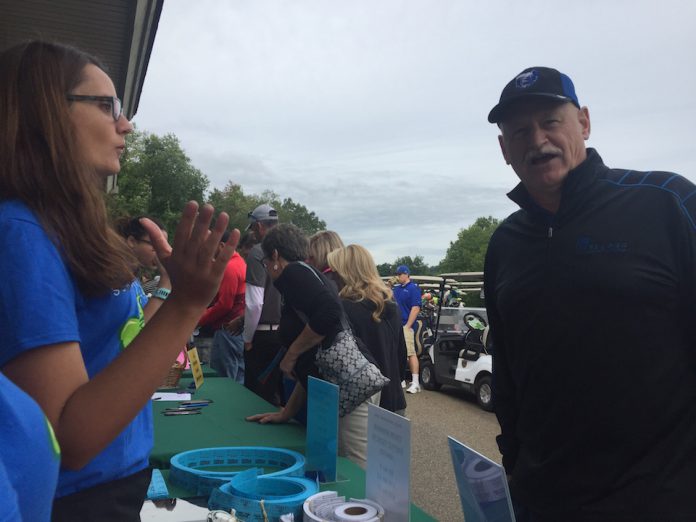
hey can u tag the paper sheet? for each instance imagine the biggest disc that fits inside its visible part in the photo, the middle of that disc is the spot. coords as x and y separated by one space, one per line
169 396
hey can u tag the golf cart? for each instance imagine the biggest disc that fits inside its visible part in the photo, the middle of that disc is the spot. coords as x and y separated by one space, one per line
455 349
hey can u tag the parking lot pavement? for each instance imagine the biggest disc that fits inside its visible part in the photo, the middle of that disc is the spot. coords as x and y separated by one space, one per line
435 416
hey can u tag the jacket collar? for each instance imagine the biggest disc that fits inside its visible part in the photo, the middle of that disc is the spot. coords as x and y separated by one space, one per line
578 179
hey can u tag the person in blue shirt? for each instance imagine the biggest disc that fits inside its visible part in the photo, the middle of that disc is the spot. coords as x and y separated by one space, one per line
408 296
29 457
74 332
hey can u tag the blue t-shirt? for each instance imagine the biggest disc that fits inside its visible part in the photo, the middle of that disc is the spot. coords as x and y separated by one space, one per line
407 296
29 457
41 304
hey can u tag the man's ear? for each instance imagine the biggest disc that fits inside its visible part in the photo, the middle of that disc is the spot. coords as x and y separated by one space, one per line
584 118
501 141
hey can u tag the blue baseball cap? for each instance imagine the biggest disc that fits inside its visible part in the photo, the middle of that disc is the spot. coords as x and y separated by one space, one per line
534 81
403 269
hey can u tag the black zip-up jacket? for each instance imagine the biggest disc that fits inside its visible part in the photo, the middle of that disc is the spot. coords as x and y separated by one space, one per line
593 316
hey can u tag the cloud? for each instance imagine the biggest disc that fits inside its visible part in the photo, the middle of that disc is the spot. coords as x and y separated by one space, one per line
373 114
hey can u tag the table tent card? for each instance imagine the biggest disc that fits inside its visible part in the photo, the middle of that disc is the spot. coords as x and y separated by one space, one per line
482 485
322 429
388 481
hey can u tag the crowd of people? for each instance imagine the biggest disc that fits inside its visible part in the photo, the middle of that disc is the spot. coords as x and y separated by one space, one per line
80 325
97 327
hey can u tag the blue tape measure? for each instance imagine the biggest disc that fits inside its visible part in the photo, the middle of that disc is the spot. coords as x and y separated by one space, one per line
203 470
255 496
158 488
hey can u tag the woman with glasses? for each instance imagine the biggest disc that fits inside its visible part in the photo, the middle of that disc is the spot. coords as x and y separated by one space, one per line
374 316
74 338
310 319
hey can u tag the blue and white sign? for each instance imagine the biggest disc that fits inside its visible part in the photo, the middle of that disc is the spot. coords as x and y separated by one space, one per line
322 429
483 488
388 478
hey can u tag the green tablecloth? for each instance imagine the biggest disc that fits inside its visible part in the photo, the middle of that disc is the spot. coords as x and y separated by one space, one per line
222 424
207 372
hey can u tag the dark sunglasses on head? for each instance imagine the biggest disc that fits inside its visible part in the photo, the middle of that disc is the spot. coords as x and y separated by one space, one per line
113 101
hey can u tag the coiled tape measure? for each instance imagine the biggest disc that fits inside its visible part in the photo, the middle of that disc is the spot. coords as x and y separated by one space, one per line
195 470
256 498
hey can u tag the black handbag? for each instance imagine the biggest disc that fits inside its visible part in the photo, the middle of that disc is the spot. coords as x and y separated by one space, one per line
343 363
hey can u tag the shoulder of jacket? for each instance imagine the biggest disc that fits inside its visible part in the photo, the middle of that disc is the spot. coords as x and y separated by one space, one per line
676 186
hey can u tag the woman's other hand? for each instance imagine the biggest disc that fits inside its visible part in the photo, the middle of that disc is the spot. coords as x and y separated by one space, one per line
287 364
276 417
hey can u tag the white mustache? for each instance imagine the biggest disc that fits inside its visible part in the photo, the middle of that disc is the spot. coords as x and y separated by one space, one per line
531 155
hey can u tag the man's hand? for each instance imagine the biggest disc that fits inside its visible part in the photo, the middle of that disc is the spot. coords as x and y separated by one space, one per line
235 326
247 346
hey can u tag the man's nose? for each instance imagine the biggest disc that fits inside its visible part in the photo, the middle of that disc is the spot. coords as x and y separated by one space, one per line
537 136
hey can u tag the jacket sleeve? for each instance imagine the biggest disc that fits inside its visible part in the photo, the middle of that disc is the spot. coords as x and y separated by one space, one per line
306 292
504 389
224 300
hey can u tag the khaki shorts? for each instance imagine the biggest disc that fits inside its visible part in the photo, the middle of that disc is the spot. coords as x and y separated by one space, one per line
410 341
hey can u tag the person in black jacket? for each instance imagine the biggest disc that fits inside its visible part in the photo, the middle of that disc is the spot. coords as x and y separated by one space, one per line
590 292
375 318
310 320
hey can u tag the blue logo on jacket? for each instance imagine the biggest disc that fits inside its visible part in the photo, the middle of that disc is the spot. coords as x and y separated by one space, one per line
586 245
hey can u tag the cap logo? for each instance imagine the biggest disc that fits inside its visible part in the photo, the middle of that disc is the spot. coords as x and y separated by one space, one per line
526 79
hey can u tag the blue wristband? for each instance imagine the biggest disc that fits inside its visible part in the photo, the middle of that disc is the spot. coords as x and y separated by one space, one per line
161 293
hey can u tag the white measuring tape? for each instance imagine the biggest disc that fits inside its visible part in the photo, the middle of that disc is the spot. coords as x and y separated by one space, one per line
195 470
329 507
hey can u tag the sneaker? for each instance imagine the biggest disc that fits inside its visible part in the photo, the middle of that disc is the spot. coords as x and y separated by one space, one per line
414 388
403 384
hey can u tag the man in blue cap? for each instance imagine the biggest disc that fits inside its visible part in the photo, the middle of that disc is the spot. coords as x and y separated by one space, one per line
590 290
407 295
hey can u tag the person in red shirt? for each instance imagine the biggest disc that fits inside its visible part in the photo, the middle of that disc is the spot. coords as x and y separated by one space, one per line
227 354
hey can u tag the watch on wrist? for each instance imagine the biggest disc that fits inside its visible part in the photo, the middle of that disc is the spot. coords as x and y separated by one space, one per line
161 293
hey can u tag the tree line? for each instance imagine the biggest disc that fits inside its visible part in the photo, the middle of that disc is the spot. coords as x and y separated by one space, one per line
157 178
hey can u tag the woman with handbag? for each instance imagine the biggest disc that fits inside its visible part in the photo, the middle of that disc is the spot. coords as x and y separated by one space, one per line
374 316
312 321
74 337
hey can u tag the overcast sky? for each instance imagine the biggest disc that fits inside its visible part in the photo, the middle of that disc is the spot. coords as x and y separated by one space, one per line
372 113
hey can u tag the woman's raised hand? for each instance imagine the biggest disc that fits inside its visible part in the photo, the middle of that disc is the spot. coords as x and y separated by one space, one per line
194 271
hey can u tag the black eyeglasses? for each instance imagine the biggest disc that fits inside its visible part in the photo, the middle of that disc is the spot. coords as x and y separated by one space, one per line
145 241
113 101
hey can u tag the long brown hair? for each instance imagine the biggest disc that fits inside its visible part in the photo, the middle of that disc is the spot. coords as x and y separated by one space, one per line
41 165
355 265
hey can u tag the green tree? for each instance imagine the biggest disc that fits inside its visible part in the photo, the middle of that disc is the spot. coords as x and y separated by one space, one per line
415 264
232 200
291 212
385 269
468 251
156 178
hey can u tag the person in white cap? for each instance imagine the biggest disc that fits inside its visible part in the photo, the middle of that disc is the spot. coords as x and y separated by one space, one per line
261 316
